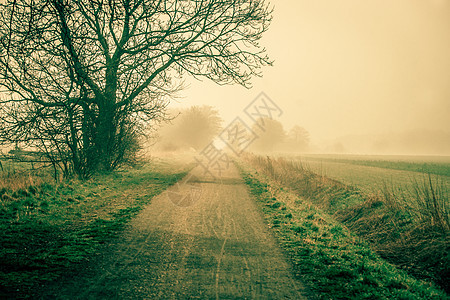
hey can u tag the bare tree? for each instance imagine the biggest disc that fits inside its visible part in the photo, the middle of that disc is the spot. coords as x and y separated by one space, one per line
297 139
82 78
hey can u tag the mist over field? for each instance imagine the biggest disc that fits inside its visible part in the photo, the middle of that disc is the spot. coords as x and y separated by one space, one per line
227 149
195 127
361 77
411 142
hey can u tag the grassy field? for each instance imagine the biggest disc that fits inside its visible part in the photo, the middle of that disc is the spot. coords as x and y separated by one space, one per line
408 229
437 165
332 261
50 228
431 167
372 173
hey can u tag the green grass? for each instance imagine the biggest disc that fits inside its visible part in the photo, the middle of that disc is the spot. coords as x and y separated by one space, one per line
49 229
332 261
409 229
441 168
366 178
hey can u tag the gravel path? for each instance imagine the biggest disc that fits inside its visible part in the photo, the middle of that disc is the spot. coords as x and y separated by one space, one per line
201 239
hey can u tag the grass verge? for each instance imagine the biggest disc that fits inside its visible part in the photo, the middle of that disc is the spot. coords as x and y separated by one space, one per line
411 233
48 229
331 260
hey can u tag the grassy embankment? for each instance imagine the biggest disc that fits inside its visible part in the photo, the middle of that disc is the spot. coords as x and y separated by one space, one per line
317 220
49 228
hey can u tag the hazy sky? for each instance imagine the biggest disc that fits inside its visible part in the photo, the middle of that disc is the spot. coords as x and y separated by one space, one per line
349 67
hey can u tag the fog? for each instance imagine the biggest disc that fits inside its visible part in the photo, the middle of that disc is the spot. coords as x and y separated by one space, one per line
359 76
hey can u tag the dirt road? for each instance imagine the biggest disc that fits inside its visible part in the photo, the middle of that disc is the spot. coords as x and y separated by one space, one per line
212 244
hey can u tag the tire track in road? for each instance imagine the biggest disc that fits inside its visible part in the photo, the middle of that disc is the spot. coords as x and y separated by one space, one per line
217 248
222 252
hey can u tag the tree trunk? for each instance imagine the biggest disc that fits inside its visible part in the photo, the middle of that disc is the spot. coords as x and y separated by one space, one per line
105 136
106 142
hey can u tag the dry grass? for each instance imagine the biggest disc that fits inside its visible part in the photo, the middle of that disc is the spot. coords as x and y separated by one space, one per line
17 175
22 180
409 227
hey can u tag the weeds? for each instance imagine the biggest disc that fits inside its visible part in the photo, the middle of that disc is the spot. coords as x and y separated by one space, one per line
331 260
432 203
20 180
409 228
420 229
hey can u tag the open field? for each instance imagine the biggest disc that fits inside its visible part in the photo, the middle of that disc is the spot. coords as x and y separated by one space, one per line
432 165
439 159
372 173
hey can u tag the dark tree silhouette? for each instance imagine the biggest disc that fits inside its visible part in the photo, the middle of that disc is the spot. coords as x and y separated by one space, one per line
82 78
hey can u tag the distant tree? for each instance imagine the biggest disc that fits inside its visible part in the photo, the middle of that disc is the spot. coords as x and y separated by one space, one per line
337 147
84 77
297 139
270 134
193 127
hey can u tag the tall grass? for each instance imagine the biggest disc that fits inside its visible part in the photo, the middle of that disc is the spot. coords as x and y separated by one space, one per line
21 175
325 256
18 181
407 226
432 203
420 215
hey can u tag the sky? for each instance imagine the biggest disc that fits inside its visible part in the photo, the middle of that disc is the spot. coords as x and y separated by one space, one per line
349 67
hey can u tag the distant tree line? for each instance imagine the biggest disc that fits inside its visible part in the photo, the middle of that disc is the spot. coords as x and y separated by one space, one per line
195 127
273 137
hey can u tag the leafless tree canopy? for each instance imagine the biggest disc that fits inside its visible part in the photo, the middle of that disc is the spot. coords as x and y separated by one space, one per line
80 78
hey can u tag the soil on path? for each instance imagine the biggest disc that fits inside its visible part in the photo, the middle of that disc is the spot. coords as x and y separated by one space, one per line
201 239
